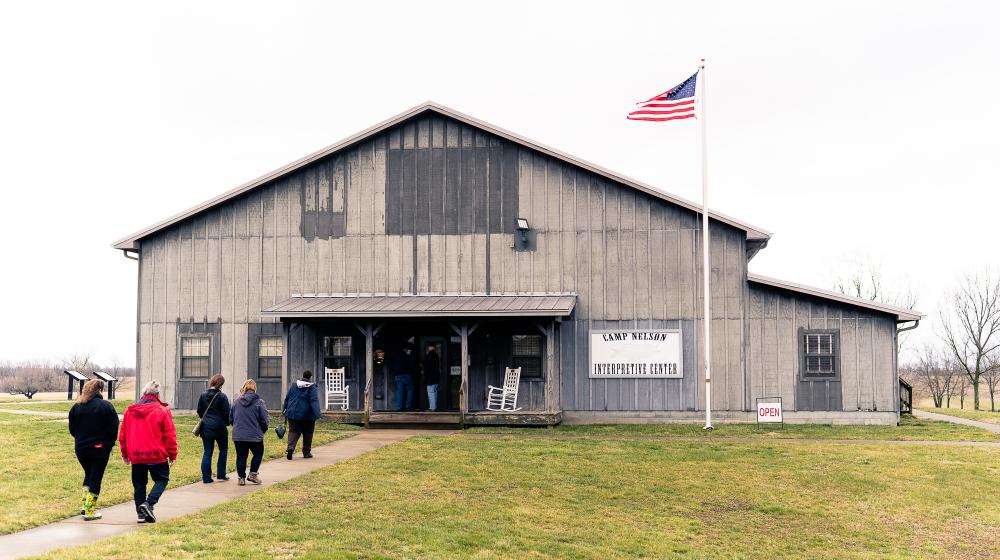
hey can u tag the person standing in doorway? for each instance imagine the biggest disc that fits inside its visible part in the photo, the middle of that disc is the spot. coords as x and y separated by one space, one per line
249 419
302 411
401 368
213 409
148 442
93 423
432 375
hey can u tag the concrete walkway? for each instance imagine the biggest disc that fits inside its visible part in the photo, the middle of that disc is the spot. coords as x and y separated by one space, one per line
995 428
49 413
120 519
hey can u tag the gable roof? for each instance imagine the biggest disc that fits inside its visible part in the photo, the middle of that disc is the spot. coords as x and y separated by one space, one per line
900 313
754 234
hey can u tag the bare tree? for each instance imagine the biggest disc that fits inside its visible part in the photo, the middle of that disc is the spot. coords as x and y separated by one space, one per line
962 387
971 323
992 378
931 374
78 362
865 281
29 381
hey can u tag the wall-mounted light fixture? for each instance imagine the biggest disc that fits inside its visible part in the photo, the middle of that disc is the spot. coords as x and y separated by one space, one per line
523 242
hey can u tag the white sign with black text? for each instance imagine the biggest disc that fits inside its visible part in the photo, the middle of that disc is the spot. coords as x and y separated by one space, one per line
634 354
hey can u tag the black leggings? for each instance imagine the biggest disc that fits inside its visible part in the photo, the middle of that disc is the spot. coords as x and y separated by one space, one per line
243 448
93 460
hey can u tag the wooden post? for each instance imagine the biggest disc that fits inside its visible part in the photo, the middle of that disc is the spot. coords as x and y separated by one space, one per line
286 331
550 363
464 330
369 330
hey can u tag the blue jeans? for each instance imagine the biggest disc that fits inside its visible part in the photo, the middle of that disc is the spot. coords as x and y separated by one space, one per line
404 391
209 443
432 396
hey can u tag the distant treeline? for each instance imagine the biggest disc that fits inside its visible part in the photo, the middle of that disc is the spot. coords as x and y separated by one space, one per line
30 377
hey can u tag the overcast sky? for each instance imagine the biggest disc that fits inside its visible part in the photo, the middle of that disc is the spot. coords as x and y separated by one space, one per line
853 131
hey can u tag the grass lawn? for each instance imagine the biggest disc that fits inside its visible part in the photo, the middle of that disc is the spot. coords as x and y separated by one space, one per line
553 495
968 413
40 476
120 405
911 429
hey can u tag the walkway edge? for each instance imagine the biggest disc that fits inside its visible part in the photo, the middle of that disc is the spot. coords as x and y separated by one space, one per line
192 498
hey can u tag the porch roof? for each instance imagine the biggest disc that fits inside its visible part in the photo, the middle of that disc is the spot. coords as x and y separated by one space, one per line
424 305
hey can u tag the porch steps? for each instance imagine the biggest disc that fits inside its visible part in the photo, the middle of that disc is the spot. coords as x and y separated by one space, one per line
447 419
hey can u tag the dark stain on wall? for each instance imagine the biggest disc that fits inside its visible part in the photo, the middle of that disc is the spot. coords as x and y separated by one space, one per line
322 198
452 190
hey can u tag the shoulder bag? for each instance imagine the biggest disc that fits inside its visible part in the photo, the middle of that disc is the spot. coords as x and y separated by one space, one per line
280 429
196 431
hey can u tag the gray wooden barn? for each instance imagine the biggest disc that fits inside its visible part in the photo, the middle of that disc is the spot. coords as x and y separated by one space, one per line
436 228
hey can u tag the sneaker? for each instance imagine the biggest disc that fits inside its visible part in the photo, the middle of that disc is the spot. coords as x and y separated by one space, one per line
253 478
242 481
208 481
146 510
141 518
307 455
288 454
222 478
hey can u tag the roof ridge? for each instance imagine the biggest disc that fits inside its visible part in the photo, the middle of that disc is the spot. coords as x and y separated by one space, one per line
128 242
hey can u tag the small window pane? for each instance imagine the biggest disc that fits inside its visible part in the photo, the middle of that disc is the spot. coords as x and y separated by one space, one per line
194 367
270 346
268 367
526 353
337 346
195 346
195 356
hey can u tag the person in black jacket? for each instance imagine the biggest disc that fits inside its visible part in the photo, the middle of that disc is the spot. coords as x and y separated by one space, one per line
213 409
432 375
93 423
302 411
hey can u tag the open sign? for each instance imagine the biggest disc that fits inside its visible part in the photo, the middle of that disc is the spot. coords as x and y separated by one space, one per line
769 411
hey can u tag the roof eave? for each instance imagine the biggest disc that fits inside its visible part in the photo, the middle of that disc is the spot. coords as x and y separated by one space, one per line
902 315
752 232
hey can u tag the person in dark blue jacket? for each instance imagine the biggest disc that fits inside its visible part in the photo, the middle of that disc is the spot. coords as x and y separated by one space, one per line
302 411
249 419
213 409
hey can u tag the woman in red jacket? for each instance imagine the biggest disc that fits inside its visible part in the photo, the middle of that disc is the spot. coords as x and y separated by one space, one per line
148 442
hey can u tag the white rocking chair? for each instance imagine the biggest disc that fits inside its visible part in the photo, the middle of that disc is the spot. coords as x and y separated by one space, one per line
504 399
337 392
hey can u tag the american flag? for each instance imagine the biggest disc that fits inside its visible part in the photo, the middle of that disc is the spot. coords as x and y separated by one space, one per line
676 103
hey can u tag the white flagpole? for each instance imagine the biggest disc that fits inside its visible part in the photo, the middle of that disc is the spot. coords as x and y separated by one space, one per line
706 269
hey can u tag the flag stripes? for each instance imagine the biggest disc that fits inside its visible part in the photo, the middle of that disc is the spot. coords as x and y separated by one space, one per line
674 104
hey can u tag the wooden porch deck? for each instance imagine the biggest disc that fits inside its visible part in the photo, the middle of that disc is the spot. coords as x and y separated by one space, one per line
450 418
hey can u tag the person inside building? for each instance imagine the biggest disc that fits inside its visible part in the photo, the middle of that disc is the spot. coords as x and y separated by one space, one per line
213 409
148 442
432 375
402 370
93 423
302 411
249 419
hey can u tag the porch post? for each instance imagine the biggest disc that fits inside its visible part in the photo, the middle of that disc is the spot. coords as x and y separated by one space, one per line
463 331
286 331
548 329
369 330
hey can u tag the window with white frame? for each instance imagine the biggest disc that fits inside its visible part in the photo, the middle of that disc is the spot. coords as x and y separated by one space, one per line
269 352
196 356
820 351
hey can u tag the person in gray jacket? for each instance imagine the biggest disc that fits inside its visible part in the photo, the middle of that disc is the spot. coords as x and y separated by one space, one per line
248 416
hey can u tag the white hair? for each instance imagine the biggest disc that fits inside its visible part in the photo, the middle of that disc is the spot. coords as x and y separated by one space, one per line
151 388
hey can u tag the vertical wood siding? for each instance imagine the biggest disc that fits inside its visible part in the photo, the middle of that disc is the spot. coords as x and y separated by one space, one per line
867 353
429 206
